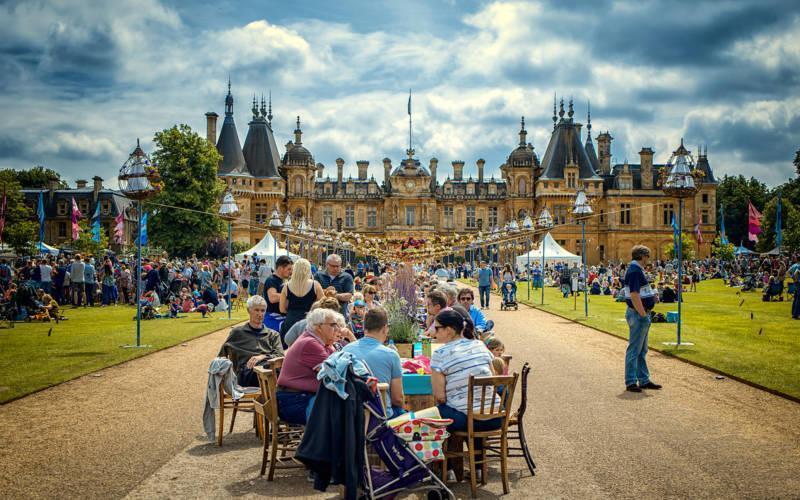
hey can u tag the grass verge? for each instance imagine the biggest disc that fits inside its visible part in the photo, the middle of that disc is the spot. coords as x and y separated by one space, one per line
33 358
734 332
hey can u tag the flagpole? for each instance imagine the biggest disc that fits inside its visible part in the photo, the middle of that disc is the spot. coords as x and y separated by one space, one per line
139 276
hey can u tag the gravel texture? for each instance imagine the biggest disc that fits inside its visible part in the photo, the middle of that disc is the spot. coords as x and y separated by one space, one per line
136 429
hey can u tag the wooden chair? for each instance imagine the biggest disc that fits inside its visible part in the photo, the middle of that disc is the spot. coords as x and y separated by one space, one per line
507 359
246 403
496 395
516 428
279 436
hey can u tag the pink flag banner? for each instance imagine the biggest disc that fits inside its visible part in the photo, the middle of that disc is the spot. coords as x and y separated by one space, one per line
119 229
76 214
2 216
753 222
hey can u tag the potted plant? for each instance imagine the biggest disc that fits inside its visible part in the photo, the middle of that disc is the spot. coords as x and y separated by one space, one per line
401 308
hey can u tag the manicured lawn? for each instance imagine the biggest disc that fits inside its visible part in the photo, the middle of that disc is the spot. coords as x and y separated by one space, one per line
733 332
89 340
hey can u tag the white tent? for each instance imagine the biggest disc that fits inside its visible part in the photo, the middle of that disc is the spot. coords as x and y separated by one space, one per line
553 252
265 249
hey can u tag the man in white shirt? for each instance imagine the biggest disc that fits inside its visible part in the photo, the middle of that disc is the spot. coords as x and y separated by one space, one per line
46 270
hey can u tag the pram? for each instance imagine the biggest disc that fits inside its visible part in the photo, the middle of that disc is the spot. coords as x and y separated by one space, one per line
509 296
404 469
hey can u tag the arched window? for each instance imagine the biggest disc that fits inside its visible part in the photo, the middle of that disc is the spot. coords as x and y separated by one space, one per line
522 213
298 186
522 187
298 214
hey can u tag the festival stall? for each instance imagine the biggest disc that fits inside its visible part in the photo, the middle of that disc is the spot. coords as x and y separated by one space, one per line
553 252
266 249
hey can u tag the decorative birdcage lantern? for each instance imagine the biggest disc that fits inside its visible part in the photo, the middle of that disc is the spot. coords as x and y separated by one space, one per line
582 209
545 220
138 178
527 223
228 209
680 181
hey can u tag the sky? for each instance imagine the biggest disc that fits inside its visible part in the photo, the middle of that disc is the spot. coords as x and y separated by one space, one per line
82 80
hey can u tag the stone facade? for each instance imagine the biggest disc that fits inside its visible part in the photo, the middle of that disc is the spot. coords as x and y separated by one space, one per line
626 198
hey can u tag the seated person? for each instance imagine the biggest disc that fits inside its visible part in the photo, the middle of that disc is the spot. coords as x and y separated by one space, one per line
252 344
50 306
210 296
357 318
668 295
467 299
383 362
272 291
297 381
595 288
497 349
435 302
450 374
298 328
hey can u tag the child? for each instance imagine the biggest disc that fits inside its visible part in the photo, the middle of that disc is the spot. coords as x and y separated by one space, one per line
497 349
357 318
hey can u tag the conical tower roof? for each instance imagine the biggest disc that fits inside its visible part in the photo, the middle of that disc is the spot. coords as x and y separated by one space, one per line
228 143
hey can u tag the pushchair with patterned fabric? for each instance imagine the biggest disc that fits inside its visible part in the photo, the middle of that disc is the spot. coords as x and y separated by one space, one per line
403 468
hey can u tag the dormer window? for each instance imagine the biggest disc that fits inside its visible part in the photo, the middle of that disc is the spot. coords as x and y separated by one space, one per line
470 188
62 208
492 189
571 180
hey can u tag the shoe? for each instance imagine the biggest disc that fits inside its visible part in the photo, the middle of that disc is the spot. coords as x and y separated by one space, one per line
650 385
633 388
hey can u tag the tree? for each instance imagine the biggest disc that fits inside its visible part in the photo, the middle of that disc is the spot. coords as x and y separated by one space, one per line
187 164
723 252
37 178
85 244
20 230
797 162
790 218
734 193
687 248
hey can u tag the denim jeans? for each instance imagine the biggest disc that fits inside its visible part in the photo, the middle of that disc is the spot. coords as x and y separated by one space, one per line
108 294
90 290
796 301
46 286
460 420
483 291
635 363
295 407
77 293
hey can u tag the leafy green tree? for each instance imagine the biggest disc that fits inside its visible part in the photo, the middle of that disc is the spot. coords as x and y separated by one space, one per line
724 252
20 230
790 218
734 192
797 162
687 248
85 244
187 163
37 178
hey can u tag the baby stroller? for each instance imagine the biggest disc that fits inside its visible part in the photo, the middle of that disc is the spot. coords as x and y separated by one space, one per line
8 313
509 296
404 469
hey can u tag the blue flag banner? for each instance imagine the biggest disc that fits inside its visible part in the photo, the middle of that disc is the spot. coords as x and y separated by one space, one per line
96 224
40 213
778 230
676 231
143 230
723 237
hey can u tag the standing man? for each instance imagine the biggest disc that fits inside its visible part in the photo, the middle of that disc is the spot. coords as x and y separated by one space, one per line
641 299
89 280
46 272
485 283
333 280
794 273
76 280
272 291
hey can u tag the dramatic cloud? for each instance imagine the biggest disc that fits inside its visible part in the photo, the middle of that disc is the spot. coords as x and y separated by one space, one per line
83 80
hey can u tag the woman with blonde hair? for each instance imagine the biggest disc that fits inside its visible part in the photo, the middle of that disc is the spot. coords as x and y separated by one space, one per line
298 295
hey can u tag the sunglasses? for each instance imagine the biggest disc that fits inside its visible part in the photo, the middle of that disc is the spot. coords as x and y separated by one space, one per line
465 299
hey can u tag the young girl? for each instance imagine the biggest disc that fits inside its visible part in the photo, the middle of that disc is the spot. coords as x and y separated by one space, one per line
497 349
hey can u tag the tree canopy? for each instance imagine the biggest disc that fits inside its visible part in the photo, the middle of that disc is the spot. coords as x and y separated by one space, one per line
187 163
734 192
20 229
37 177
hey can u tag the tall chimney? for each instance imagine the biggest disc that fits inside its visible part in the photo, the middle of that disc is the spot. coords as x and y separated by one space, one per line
211 127
387 172
481 162
604 151
434 166
339 171
362 169
98 185
320 170
458 170
646 161
80 183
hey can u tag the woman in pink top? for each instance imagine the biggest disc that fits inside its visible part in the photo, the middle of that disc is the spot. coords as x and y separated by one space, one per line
297 381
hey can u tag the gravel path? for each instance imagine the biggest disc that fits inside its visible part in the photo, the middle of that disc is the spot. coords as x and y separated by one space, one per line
698 437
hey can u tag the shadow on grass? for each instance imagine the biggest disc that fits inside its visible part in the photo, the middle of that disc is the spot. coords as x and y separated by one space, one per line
80 354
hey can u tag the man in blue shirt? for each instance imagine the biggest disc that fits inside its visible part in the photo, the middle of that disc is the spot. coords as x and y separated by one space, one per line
641 299
485 283
383 362
467 299
333 280
89 281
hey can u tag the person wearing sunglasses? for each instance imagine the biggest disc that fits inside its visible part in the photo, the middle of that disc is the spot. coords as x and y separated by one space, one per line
297 381
467 299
